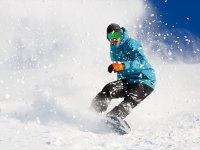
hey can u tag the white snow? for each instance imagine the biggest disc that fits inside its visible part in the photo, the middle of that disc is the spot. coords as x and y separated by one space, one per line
53 61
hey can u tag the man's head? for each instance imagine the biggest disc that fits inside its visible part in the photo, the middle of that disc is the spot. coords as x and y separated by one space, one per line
114 33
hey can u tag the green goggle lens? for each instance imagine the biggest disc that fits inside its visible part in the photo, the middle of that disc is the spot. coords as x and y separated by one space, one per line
114 35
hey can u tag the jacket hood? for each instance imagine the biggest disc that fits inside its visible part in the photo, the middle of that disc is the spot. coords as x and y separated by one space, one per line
125 36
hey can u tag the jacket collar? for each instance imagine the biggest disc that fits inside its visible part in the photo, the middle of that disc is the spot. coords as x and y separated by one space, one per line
125 36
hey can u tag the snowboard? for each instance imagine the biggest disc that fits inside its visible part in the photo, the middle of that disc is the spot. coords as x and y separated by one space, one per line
117 125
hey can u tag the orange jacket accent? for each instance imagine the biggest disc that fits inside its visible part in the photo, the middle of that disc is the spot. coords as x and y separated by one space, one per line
118 66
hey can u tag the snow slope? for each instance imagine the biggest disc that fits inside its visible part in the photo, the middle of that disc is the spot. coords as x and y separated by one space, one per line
53 61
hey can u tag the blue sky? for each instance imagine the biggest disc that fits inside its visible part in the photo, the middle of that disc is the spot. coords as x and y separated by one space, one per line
182 14
180 18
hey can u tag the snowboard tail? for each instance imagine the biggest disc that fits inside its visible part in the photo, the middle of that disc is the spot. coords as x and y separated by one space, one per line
118 125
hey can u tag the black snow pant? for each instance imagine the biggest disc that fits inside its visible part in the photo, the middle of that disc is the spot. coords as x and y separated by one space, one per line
133 94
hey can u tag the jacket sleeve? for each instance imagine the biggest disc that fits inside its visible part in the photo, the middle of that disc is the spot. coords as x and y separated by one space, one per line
136 56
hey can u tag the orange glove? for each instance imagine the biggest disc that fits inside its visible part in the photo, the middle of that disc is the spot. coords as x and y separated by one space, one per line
116 67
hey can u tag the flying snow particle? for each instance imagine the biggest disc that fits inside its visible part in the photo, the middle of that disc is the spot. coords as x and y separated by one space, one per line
38 120
7 96
169 53
152 15
188 41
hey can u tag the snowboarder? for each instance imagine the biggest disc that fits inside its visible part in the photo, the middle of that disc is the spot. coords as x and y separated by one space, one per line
135 76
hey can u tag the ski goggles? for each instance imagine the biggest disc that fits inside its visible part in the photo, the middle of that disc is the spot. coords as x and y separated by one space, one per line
114 35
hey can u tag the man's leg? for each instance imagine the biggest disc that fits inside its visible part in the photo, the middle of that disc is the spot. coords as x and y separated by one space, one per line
112 90
135 94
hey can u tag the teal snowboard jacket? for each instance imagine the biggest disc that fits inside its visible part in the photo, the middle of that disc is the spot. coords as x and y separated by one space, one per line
136 66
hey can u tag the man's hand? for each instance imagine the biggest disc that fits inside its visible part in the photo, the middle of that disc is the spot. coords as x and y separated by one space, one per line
116 67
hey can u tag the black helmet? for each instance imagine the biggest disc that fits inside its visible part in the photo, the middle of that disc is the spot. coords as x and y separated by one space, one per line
113 27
